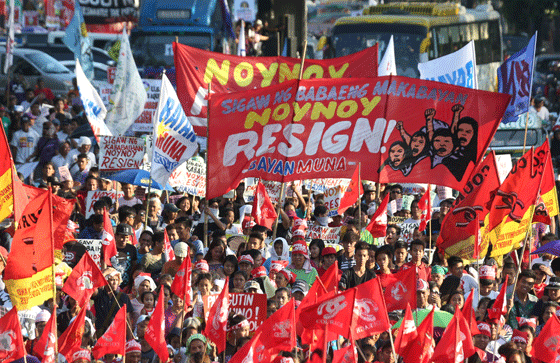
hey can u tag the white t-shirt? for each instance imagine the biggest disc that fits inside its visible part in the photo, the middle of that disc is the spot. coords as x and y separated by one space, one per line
73 155
129 203
58 161
25 142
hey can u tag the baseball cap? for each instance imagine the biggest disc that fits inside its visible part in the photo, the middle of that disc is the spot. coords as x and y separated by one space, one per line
251 284
84 140
484 328
553 283
277 266
25 118
328 251
181 249
532 322
289 275
487 275
192 323
258 272
124 229
81 354
43 317
298 233
246 259
170 207
19 108
202 265
519 336
132 346
301 286
299 247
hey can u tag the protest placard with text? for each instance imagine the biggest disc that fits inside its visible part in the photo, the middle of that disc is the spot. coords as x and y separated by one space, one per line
251 306
120 153
93 246
95 195
190 177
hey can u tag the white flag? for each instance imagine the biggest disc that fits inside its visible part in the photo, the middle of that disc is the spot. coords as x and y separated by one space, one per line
241 51
174 137
10 41
387 64
128 95
457 68
93 105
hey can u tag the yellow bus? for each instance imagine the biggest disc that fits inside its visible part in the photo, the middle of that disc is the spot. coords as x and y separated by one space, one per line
424 31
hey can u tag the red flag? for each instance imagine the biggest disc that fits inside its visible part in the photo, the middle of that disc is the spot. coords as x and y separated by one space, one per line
114 339
108 239
85 278
44 348
421 349
468 313
62 209
263 211
155 332
346 354
12 347
500 305
378 225
71 338
370 311
276 334
335 311
548 194
331 278
216 326
477 240
425 204
167 249
546 346
352 193
407 332
181 285
456 343
400 289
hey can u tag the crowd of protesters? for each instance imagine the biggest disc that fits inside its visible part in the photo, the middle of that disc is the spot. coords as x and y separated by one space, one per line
283 267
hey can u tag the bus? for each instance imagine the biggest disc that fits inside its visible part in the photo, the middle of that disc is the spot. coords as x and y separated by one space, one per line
425 31
161 22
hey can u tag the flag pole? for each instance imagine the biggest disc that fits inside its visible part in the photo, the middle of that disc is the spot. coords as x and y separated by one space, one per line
359 200
119 305
53 274
205 239
530 92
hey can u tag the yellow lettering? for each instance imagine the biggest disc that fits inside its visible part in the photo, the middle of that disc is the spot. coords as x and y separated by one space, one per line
300 112
253 117
338 74
221 73
319 108
369 105
285 73
238 74
268 74
352 107
315 69
281 112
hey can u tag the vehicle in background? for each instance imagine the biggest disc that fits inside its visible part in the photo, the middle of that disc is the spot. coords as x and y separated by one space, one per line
509 137
99 69
424 31
162 22
33 64
514 43
547 71
99 40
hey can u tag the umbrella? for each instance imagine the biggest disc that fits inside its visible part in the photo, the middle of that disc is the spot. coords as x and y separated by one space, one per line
441 318
137 177
552 247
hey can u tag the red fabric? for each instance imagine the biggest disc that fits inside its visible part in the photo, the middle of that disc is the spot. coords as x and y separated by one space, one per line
345 355
407 332
425 204
352 193
46 91
420 350
378 225
370 311
500 305
108 239
181 285
155 332
335 311
263 211
547 195
10 327
468 313
456 343
400 290
477 240
113 340
424 271
331 278
62 209
216 325
71 338
85 278
167 249
546 346
44 348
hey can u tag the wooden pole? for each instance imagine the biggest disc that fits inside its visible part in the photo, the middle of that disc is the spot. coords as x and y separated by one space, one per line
526 127
53 275
205 239
530 92
119 305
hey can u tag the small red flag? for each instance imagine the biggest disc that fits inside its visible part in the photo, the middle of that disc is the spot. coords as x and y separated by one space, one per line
421 349
331 278
216 326
378 225
400 289
346 354
425 204
44 348
456 343
62 209
155 332
167 249
85 278
114 339
181 285
108 239
10 334
369 310
71 338
500 305
546 346
468 313
352 193
263 210
407 332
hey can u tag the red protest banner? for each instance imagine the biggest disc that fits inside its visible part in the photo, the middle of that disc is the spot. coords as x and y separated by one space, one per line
401 129
251 306
195 68
120 153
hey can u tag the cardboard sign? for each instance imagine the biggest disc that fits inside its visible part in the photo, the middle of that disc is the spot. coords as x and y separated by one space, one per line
120 153
327 234
251 306
144 122
94 195
332 198
64 173
320 185
93 246
190 177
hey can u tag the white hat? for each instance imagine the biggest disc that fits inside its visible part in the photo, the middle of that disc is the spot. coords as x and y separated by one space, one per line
84 140
181 249
43 316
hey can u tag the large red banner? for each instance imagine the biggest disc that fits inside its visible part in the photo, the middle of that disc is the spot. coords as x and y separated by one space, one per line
400 129
196 68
